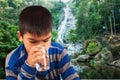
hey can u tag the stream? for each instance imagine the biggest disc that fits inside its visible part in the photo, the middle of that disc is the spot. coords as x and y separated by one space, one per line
63 29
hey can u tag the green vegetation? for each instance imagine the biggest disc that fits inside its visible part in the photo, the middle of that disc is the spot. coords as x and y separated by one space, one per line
54 35
93 46
57 12
95 18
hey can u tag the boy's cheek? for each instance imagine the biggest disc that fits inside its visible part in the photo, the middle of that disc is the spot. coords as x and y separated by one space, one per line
27 48
49 44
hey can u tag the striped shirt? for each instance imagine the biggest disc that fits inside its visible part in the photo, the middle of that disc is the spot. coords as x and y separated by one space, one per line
60 66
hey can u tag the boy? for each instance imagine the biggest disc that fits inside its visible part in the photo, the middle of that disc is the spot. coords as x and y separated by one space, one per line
35 26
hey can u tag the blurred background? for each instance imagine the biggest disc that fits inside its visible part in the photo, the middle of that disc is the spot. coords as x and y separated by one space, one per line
88 29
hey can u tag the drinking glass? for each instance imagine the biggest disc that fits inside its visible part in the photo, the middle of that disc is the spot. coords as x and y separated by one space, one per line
44 65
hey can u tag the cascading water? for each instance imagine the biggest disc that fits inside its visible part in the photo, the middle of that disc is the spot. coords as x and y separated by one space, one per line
67 24
63 26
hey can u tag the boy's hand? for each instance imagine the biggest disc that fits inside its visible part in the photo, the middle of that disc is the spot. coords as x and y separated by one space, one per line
34 55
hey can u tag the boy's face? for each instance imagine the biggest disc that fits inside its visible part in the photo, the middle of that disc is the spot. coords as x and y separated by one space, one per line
30 40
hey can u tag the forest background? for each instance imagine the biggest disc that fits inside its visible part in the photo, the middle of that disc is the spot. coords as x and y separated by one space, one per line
94 20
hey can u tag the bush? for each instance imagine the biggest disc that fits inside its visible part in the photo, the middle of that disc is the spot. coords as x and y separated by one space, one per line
8 41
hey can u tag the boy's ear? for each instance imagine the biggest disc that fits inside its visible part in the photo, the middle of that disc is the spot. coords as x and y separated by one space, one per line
19 36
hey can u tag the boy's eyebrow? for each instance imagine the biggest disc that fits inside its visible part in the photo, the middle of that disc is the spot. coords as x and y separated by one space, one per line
43 39
47 38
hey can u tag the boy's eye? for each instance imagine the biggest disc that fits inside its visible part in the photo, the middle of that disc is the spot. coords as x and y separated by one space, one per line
45 40
32 41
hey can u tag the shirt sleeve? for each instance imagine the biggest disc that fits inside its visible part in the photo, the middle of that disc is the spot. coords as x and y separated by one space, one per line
66 68
26 73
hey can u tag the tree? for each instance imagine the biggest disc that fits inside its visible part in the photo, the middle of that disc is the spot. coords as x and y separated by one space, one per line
96 18
88 20
8 42
109 10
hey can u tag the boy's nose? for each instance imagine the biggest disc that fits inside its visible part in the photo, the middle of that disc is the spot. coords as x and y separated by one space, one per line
40 45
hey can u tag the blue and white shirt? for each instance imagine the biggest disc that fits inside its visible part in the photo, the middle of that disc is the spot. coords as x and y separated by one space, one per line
60 66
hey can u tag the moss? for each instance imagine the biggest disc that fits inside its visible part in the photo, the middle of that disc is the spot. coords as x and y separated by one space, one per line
92 47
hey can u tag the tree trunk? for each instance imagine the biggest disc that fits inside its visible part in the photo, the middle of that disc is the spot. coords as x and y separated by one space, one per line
114 22
111 25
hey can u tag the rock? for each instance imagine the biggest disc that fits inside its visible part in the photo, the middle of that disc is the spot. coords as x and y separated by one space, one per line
83 58
92 47
115 63
105 56
113 43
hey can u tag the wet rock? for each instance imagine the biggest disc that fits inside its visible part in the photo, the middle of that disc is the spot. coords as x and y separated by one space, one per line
115 63
83 58
104 57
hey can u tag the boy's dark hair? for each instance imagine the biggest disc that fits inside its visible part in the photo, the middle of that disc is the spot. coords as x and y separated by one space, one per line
36 20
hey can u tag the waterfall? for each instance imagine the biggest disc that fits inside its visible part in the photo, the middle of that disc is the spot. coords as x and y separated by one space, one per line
63 26
67 24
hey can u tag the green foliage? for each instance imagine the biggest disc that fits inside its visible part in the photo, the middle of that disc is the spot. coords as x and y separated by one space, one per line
109 9
74 6
92 15
8 37
8 42
73 36
57 11
2 73
92 47
100 72
54 35
15 3
88 21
